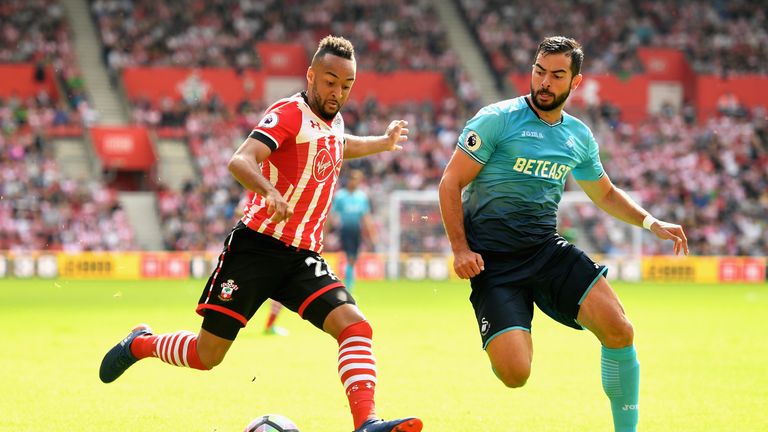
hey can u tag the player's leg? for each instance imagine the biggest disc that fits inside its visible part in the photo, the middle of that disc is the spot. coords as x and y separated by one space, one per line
357 370
349 271
504 310
511 354
236 288
577 295
203 351
602 313
183 348
318 296
269 327
351 239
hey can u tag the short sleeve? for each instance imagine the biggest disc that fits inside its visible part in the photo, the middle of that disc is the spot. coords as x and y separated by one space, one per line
280 122
590 168
480 135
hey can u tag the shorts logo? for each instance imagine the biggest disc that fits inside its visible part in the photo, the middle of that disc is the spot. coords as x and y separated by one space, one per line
227 289
484 326
269 121
472 141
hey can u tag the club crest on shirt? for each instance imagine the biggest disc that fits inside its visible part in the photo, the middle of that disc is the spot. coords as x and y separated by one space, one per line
269 121
228 288
472 141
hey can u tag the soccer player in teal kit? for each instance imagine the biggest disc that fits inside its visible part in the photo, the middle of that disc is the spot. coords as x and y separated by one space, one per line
513 158
353 209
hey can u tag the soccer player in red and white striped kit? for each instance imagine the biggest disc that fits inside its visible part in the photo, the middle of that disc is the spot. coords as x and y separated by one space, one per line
291 161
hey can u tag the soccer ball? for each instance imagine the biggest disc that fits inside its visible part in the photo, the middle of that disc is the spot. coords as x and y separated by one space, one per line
271 423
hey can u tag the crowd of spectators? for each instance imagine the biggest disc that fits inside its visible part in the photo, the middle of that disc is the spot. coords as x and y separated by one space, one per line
388 35
37 32
712 178
39 208
718 37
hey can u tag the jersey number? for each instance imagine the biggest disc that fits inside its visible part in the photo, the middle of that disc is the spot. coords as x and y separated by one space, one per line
321 267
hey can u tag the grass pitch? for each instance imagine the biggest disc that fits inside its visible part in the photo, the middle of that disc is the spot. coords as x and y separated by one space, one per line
702 349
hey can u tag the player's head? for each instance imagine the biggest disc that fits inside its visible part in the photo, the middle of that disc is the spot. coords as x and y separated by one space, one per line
556 71
330 76
354 179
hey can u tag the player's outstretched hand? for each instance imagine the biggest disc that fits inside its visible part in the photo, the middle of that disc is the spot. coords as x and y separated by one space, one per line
277 207
669 231
397 132
468 264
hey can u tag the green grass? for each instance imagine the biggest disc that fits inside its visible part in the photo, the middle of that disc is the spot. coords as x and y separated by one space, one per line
702 349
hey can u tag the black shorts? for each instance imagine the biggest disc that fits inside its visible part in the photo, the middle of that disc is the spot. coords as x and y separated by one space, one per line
254 267
556 276
351 238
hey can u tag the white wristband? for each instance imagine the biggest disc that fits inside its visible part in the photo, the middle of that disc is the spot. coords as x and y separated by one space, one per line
648 221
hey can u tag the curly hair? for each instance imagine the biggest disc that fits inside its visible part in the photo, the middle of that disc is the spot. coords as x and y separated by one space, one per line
335 45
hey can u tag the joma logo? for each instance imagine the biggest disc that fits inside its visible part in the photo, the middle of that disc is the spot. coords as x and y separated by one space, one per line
532 134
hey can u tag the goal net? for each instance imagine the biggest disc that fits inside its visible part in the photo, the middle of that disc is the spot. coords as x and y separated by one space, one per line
418 247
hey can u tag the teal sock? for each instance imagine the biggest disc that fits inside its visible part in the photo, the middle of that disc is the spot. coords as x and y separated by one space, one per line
349 273
621 382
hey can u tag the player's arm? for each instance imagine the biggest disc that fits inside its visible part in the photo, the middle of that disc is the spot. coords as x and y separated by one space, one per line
618 204
396 133
459 172
245 167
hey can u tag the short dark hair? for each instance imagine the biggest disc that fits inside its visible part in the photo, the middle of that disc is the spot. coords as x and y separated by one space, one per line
335 45
562 45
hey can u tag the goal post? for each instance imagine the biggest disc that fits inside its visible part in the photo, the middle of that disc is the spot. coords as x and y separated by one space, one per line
415 227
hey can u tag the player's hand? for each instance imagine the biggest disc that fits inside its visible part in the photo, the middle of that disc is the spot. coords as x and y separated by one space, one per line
277 207
397 132
467 264
669 231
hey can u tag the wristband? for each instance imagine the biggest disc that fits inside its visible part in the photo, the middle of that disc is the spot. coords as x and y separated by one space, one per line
648 221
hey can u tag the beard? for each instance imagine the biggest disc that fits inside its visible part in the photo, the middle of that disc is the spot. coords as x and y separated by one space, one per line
557 100
319 106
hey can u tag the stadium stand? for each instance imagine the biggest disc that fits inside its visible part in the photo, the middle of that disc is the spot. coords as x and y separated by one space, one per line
612 31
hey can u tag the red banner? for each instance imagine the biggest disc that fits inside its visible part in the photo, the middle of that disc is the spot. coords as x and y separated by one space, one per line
170 265
629 95
395 87
19 80
125 148
665 64
193 85
748 90
742 269
282 59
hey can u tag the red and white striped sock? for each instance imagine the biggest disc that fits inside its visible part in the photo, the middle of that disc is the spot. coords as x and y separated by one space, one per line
357 370
178 349
275 309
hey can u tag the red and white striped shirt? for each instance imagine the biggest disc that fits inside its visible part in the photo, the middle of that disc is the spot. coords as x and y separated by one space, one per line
304 167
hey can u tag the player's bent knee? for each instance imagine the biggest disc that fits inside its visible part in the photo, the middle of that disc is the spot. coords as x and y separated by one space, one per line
211 358
513 377
620 335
